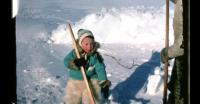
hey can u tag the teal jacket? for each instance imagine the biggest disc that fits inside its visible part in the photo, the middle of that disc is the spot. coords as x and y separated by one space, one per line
95 67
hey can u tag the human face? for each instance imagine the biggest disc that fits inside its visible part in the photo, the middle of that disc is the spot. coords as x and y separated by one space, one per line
87 44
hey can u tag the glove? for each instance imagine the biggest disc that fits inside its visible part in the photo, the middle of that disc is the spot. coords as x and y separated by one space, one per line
80 62
105 88
164 55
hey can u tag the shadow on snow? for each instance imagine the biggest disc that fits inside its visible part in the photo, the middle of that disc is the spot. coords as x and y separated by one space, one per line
126 91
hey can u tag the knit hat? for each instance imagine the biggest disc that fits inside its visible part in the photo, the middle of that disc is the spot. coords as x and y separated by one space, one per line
82 33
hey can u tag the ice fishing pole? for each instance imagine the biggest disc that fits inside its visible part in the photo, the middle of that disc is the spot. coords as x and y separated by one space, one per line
82 68
166 46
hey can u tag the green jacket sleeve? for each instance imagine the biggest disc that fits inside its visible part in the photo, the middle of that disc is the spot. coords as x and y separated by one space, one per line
69 61
100 68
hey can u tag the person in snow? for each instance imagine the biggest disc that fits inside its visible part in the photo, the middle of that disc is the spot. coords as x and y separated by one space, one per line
179 78
76 91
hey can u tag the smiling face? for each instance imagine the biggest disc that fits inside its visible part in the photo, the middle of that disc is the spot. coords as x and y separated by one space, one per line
87 44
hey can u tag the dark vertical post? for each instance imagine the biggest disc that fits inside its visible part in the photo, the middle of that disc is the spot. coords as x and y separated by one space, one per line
8 54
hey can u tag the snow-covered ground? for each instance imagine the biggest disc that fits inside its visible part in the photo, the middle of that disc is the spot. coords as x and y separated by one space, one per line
131 33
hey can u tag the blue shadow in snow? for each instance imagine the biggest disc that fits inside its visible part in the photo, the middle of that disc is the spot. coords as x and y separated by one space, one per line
127 90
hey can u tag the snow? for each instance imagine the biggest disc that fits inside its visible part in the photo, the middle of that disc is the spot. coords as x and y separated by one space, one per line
131 34
124 25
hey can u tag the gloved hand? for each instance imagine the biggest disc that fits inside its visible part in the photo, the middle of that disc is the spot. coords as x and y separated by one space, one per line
164 55
80 62
105 88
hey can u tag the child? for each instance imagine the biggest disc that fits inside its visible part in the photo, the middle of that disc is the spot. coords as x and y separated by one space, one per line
76 91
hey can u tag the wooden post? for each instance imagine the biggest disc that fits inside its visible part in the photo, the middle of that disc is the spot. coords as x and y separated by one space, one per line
166 45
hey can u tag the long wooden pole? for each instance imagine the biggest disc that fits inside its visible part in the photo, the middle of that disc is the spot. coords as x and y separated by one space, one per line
166 45
82 68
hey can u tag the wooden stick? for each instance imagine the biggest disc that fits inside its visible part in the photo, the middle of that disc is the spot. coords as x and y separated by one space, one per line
82 68
166 45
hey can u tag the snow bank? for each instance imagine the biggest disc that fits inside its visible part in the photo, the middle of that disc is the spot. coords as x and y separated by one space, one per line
134 25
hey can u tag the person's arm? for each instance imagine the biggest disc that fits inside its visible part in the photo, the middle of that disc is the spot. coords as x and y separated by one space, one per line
69 61
101 73
100 67
177 48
